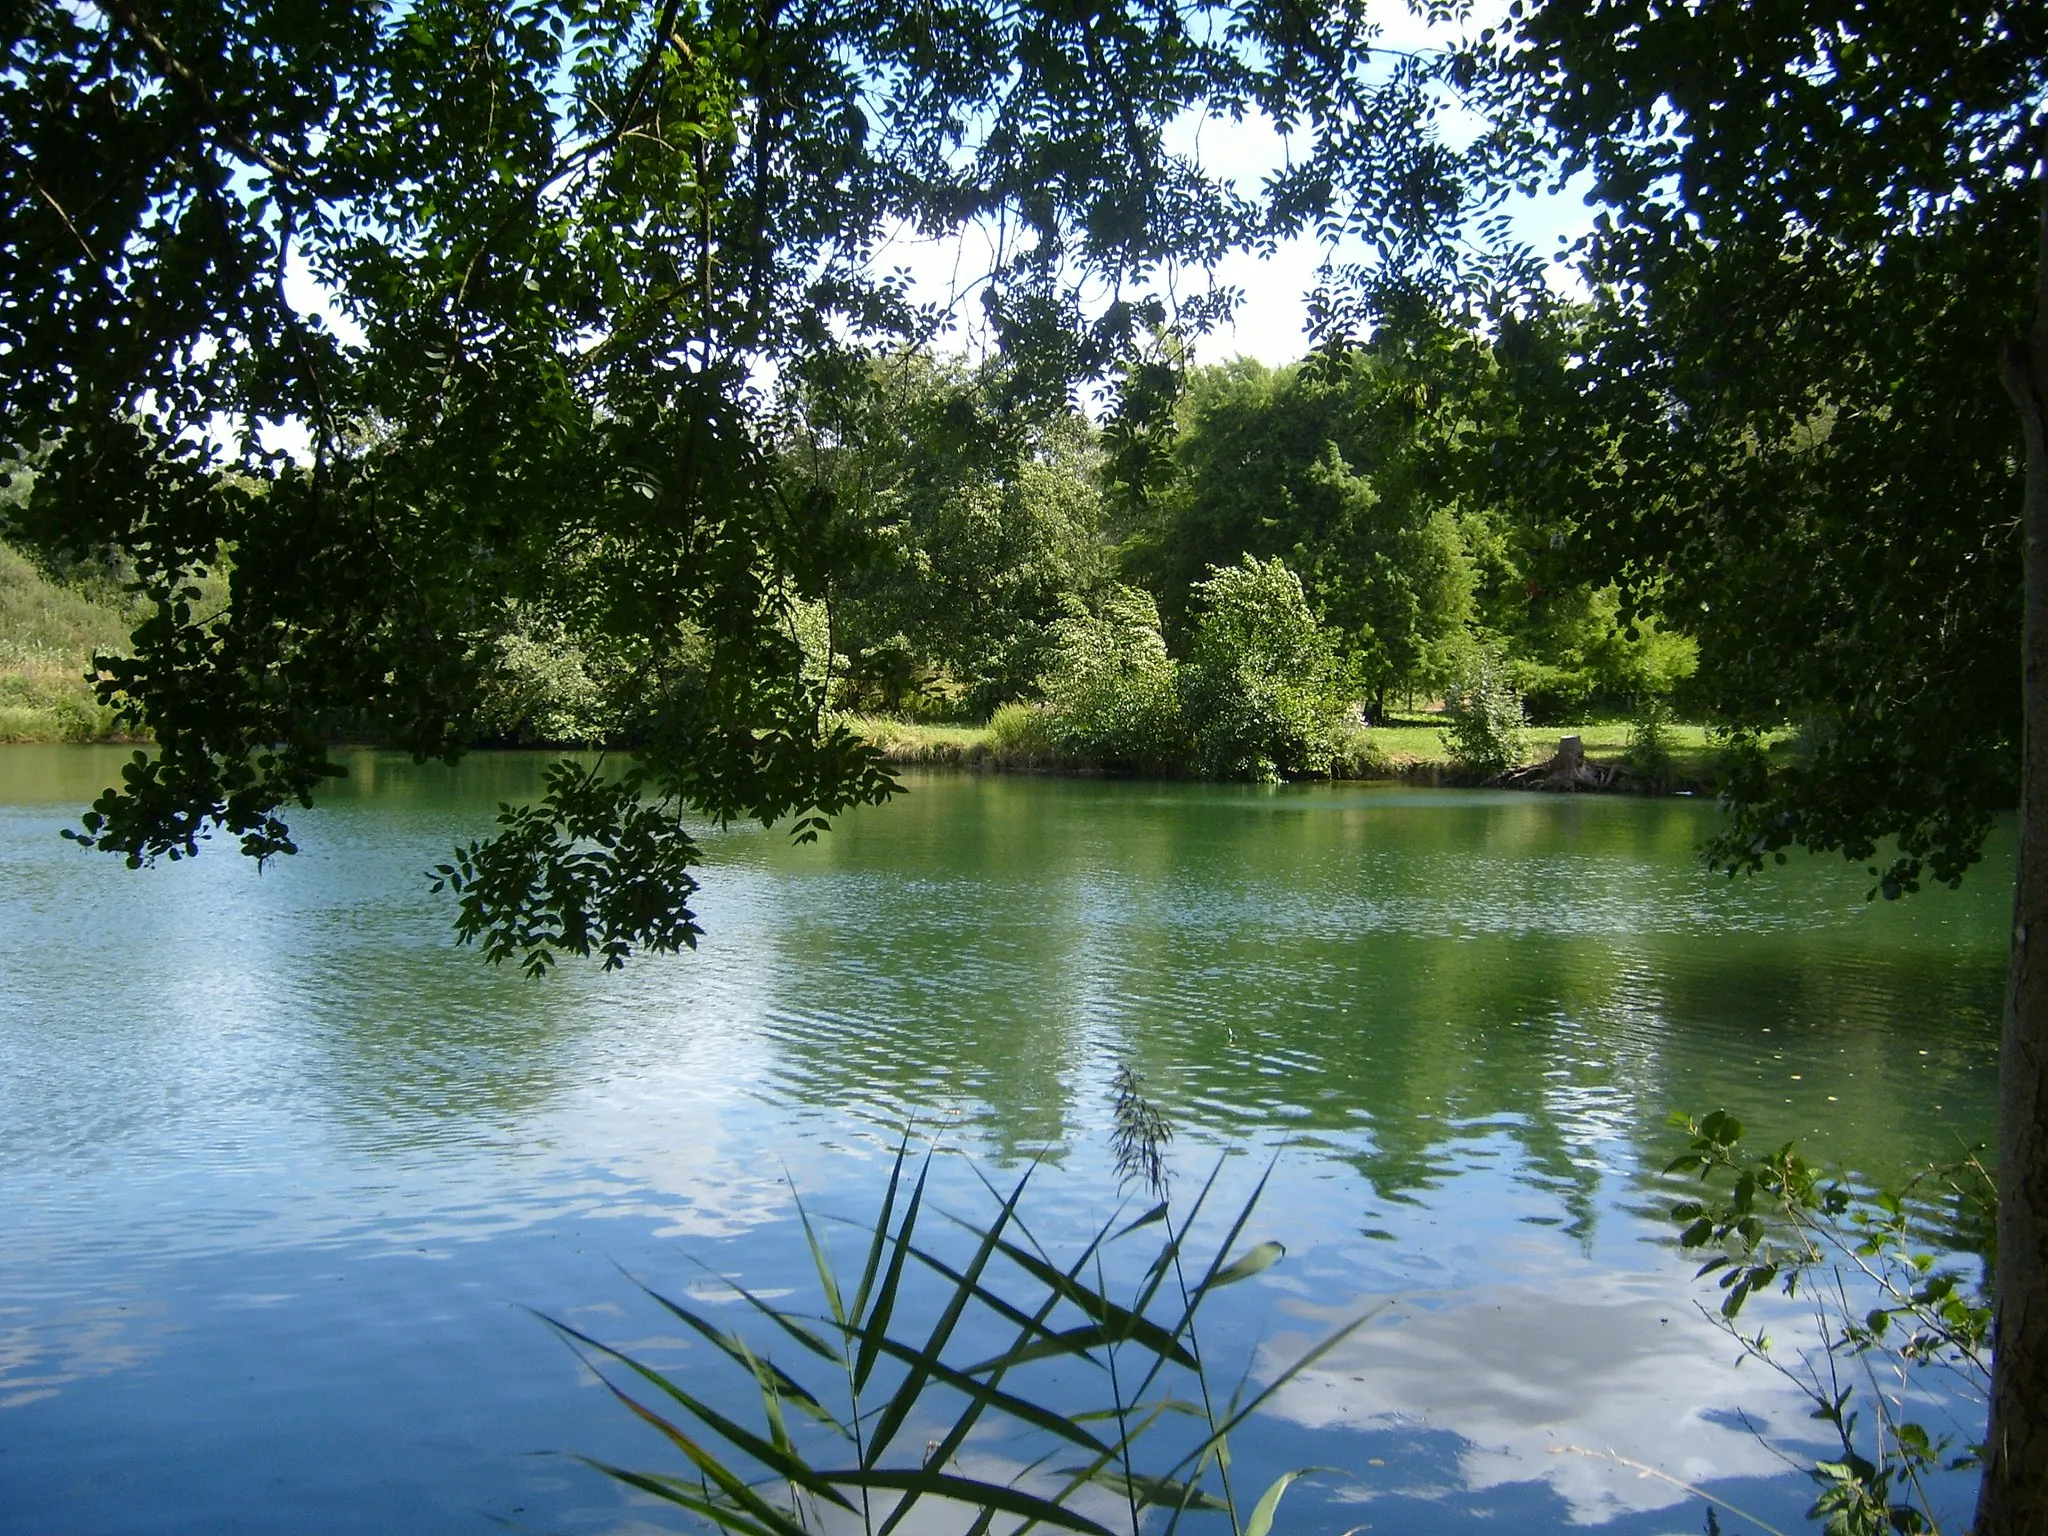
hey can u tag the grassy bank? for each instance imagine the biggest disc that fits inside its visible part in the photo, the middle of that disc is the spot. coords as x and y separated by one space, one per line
48 634
1409 748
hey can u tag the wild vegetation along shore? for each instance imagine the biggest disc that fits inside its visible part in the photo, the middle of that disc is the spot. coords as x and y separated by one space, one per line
48 634
49 630
1776 452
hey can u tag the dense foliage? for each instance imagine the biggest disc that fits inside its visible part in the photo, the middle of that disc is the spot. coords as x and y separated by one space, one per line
982 539
977 526
1781 420
1263 689
1818 266
1484 734
1357 468
1114 690
568 248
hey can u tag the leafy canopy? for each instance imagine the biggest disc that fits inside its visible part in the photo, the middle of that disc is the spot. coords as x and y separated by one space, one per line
569 244
1780 423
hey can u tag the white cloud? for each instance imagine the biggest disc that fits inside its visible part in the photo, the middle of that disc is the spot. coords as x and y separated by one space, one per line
1560 1389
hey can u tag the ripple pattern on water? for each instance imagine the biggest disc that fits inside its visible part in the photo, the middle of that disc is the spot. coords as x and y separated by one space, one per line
276 1151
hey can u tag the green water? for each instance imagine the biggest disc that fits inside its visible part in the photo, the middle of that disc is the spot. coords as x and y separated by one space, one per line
280 1166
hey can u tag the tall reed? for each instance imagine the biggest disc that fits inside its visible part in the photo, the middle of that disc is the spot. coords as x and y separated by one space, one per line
863 1409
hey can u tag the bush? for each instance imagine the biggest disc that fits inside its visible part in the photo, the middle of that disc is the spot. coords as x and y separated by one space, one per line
1919 1328
1111 692
892 677
1021 730
538 690
1553 695
1264 692
1359 756
1484 736
1649 742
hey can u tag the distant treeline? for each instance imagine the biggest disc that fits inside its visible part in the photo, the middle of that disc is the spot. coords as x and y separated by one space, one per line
1226 585
1293 544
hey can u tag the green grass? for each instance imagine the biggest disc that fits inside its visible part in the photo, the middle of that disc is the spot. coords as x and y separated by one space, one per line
1410 744
48 634
1374 752
923 742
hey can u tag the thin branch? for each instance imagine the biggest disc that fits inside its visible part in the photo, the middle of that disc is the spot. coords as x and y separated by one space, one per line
58 208
1677 1482
126 15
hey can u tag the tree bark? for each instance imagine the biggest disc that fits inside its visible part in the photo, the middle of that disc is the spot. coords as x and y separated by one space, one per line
2013 1500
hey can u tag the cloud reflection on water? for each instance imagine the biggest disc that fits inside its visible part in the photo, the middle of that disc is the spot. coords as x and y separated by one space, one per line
1523 1376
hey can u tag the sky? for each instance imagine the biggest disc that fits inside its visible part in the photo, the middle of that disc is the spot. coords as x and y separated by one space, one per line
1271 322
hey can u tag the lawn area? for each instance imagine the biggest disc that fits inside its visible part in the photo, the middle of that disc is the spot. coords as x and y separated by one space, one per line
1409 744
920 741
48 634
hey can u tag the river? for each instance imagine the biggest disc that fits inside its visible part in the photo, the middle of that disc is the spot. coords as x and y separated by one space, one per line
285 1174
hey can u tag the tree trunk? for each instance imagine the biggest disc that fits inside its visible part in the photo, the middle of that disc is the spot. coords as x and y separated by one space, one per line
2013 1500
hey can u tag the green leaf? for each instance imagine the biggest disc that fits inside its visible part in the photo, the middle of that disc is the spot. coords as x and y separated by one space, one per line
1219 1435
727 1517
1257 1261
925 1363
1119 1323
786 1321
897 1411
1153 1492
1261 1521
1049 1341
978 1494
736 1350
728 1481
1158 1213
821 1262
880 1238
875 1323
782 1462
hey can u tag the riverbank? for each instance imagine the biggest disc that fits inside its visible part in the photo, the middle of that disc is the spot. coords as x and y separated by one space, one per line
1406 749
48 634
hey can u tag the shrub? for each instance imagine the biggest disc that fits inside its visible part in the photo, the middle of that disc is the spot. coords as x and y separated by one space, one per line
539 689
1484 736
1359 756
1264 692
1552 695
1916 1329
1020 730
1649 742
1111 692
893 677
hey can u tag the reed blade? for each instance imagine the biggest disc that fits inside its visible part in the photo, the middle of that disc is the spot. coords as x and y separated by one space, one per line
874 1259
673 1490
912 1386
877 1322
1001 1497
1121 1323
1066 1426
782 1463
734 1349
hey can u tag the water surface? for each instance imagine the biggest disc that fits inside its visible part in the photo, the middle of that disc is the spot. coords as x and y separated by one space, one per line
282 1168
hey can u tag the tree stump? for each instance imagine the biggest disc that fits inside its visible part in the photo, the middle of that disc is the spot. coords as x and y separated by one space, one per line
1568 768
